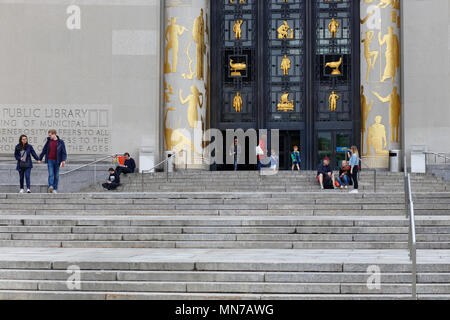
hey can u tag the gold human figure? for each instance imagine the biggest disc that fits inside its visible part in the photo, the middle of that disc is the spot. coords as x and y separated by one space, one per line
365 111
369 54
332 100
285 105
176 140
376 138
172 32
392 54
395 110
237 29
194 101
335 66
285 31
285 65
237 102
198 34
333 26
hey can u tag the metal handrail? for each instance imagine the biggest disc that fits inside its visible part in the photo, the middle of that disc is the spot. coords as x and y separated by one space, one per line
87 165
412 241
438 155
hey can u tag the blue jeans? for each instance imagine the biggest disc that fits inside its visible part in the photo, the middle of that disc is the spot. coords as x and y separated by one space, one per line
344 182
53 174
25 174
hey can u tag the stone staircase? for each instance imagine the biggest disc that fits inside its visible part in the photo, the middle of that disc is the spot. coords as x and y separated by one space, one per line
209 235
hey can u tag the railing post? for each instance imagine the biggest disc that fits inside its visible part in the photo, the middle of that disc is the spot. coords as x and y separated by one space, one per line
375 180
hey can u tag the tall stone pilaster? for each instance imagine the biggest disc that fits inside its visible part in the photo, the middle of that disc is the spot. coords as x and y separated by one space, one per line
381 105
186 79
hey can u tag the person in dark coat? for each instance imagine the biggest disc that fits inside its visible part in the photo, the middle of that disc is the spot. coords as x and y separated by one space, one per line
23 153
113 180
325 175
55 155
128 167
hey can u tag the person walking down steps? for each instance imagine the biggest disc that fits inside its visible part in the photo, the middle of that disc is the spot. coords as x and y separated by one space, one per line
23 153
55 155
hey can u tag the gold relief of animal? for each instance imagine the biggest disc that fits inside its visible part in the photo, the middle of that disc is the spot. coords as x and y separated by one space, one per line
376 138
335 66
236 67
285 105
173 31
332 100
237 102
395 110
285 65
392 54
194 101
285 31
176 140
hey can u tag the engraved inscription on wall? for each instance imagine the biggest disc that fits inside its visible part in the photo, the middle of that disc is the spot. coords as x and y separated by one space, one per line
86 129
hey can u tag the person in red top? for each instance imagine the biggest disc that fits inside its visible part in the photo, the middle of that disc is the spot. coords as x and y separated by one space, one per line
55 155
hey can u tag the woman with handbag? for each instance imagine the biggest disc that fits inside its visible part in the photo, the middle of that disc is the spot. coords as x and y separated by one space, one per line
23 154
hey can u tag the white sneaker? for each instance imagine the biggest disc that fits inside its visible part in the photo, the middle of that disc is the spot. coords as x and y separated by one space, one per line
21 191
28 191
54 191
354 191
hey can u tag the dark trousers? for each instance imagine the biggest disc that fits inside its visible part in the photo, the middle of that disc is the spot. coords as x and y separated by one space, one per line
110 186
355 178
25 174
121 170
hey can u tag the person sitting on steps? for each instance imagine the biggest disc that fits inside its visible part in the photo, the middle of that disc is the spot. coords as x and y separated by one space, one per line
344 175
325 175
113 180
128 167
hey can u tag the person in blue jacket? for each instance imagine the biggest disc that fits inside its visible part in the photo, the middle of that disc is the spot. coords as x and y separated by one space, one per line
23 153
128 167
55 155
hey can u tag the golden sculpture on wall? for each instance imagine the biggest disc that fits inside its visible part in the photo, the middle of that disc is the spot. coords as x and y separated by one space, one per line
237 29
395 110
240 1
198 34
173 31
386 3
363 21
285 105
237 102
285 31
285 65
333 26
392 54
370 56
189 76
365 111
194 101
332 100
376 138
168 91
335 66
236 67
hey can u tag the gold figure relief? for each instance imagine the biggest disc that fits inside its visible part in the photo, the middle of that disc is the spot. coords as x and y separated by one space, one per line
335 66
365 111
333 27
176 140
285 105
285 31
236 68
237 102
395 109
332 100
168 91
173 31
285 65
386 3
194 101
370 56
392 54
376 138
237 29
198 34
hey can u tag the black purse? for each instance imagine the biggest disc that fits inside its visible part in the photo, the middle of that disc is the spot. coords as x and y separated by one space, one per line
24 165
